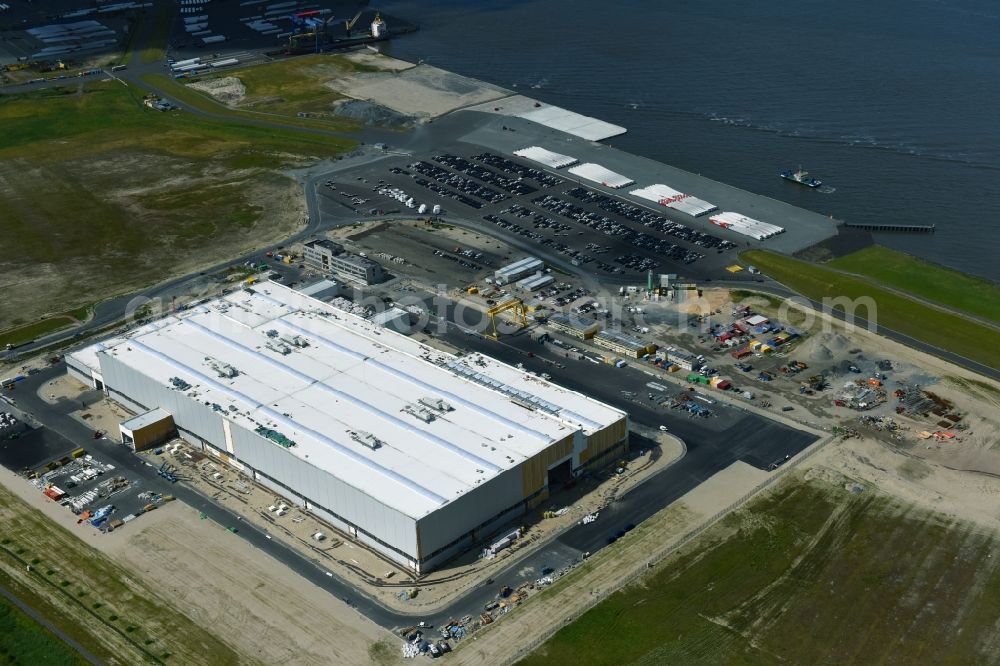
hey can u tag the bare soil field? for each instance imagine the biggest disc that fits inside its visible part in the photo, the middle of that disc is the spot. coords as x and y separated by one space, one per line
422 91
218 602
244 597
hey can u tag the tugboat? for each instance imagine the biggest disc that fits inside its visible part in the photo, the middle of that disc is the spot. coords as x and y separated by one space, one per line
801 177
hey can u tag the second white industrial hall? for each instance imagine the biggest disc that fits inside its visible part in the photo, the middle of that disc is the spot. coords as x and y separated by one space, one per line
412 451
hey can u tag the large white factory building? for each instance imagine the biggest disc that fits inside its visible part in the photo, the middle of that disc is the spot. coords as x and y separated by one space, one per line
414 452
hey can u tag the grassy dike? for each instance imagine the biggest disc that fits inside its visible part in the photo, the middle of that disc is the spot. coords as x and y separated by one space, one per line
24 641
921 321
929 281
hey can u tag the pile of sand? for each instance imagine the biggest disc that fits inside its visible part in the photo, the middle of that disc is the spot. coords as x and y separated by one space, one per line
824 347
229 90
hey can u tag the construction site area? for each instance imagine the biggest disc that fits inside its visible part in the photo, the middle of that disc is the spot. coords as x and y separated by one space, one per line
693 366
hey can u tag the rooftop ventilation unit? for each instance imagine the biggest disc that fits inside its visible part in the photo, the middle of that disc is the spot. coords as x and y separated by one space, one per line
295 341
525 399
179 384
436 404
419 412
365 439
282 349
224 370
274 436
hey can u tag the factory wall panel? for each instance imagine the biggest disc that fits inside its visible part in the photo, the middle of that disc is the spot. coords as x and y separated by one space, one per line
384 523
188 413
283 492
469 511
446 554
79 371
536 467
605 439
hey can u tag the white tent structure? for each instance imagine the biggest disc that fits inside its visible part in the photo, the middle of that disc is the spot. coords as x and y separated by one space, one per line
598 174
573 123
546 157
671 198
747 226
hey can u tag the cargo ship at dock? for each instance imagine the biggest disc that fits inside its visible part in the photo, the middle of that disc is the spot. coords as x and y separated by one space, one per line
316 34
801 177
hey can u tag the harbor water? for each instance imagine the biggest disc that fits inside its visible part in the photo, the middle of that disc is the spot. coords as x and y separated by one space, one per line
892 104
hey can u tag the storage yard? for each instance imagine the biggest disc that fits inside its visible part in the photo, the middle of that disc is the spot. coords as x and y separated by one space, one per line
65 30
579 214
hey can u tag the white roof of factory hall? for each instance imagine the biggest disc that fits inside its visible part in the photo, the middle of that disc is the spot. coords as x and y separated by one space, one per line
338 385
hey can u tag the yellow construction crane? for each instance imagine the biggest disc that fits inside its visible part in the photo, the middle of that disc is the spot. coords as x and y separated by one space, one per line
520 315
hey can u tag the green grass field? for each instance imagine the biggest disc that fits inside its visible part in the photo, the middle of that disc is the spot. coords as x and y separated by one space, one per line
935 283
24 641
808 574
904 315
105 196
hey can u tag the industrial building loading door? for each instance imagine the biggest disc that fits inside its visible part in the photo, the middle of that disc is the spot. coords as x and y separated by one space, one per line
561 474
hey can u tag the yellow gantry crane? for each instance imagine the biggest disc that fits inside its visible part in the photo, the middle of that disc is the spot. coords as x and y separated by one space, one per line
520 315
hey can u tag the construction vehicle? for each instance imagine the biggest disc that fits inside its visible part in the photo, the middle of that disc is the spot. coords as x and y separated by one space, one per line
167 471
519 311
